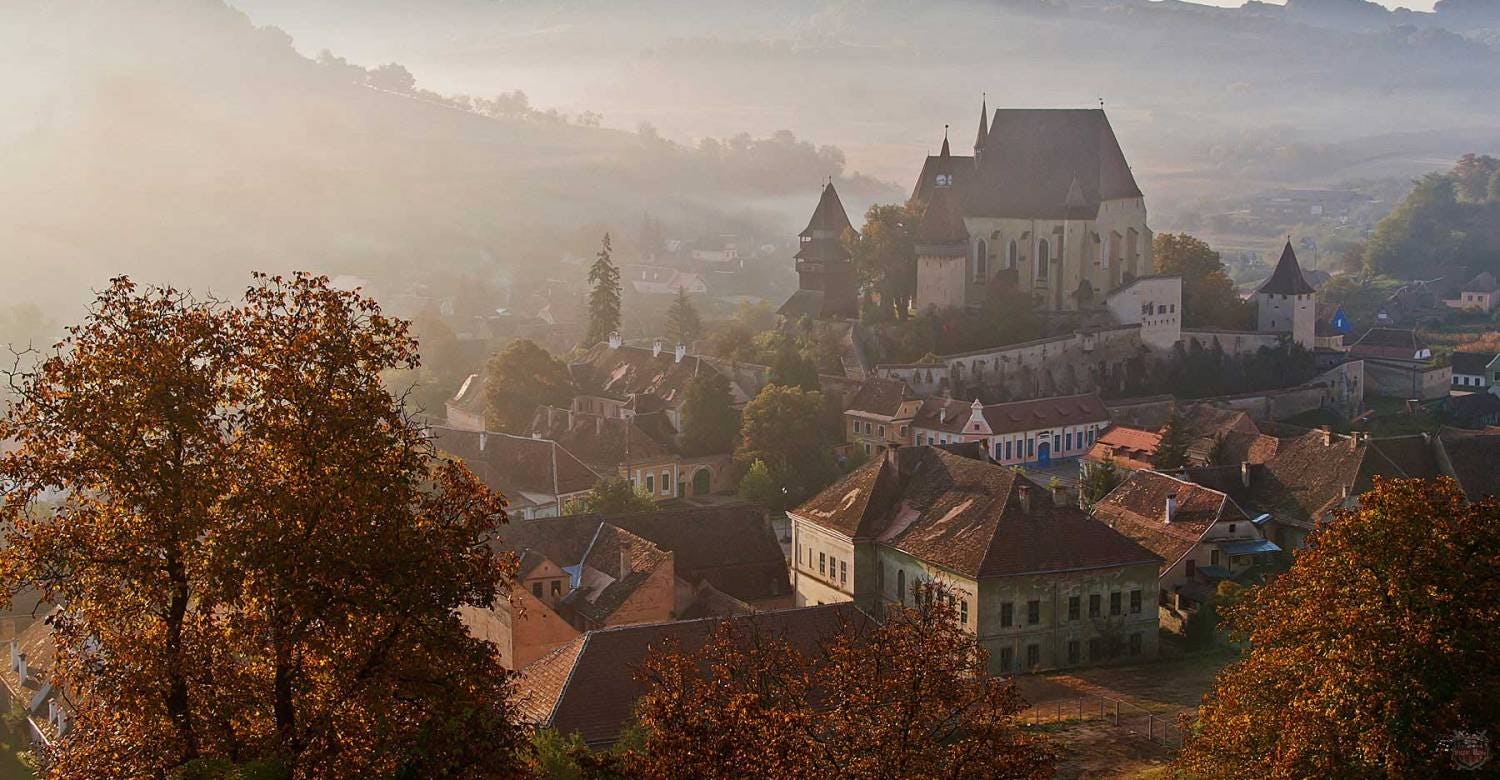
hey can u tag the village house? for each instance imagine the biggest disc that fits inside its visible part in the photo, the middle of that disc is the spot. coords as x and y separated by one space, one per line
1202 536
1476 371
539 477
1016 433
615 379
1218 436
880 414
1038 583
1398 363
639 448
582 572
47 713
588 686
1481 293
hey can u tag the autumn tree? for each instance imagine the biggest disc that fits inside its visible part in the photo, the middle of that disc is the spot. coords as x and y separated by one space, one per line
518 379
909 697
781 428
1209 297
1371 652
604 297
683 323
258 556
1099 478
709 422
1171 450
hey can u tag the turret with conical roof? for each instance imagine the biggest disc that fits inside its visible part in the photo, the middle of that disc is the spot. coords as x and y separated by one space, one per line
983 136
1284 302
826 279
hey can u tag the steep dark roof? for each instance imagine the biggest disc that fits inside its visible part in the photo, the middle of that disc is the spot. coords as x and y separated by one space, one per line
984 126
604 443
1020 416
627 371
829 215
1473 456
1287 279
1395 343
942 222
880 396
1031 158
1484 282
516 465
1471 363
803 303
968 516
731 547
1313 472
588 686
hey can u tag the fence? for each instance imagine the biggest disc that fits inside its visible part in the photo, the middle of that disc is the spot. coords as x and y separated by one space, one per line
1084 707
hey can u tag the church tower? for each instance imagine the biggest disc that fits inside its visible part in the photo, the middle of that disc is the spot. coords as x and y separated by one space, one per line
1284 303
825 269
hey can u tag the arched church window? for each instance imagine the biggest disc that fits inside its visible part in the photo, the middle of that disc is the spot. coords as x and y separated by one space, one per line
1012 254
981 261
1043 258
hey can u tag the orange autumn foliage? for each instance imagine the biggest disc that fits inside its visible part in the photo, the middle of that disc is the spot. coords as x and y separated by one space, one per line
255 554
1375 650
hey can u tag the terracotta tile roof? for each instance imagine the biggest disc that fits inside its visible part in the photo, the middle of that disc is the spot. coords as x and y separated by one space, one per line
880 396
604 443
605 556
709 601
1019 416
541 683
1137 509
628 371
731 547
1473 456
1395 343
598 692
516 465
1131 448
1287 279
1312 473
968 516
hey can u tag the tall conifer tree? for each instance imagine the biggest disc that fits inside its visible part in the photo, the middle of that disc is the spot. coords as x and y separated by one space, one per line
604 298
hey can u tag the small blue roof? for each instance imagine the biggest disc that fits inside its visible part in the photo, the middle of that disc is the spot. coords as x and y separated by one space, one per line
1215 572
1249 547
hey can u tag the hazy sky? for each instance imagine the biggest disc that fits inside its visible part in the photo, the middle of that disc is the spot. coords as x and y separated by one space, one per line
1415 5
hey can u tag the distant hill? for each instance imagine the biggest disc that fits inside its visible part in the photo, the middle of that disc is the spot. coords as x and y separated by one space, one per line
178 142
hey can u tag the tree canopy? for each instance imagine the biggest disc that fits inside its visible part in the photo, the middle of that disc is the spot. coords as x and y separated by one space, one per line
908 697
614 496
684 326
1449 222
258 556
1171 451
518 379
1209 298
710 424
782 428
886 256
1371 653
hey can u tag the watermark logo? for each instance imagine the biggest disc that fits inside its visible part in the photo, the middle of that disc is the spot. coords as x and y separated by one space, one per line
1470 749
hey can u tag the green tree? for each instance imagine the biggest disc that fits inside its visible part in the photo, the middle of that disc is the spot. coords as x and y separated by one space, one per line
518 379
789 367
604 297
760 486
1368 655
1171 451
1099 478
1209 298
1472 175
886 256
614 496
710 424
781 427
683 324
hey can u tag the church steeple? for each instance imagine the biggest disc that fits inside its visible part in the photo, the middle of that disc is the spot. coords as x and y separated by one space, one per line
984 127
945 152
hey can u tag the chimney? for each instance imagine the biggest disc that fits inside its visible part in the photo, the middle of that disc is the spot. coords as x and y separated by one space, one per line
550 410
624 563
943 413
15 657
1023 491
1171 506
1245 473
21 669
614 340
681 352
1059 495
1344 492
1327 435
656 348
483 437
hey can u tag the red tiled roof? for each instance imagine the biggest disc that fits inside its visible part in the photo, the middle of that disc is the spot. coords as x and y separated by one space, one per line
967 515
596 696
605 443
1137 509
1474 455
1131 448
514 465
627 371
1045 413
880 396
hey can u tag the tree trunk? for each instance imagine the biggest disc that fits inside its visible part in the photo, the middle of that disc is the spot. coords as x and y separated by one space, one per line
178 703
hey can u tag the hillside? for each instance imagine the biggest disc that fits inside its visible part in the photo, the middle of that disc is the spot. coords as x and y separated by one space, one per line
179 142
